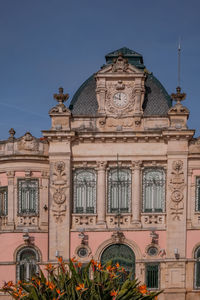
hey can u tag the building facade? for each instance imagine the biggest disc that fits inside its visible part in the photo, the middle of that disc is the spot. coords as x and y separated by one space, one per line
117 176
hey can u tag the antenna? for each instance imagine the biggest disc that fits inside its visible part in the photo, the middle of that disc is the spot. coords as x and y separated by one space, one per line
179 62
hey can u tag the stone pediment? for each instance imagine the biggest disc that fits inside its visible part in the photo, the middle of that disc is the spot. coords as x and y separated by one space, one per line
120 66
194 146
28 143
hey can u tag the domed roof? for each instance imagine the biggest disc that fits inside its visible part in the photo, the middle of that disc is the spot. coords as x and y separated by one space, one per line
156 102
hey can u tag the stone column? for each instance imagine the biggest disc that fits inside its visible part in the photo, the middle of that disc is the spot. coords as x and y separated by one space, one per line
11 199
136 194
101 193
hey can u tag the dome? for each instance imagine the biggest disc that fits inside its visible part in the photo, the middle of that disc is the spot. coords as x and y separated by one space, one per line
156 102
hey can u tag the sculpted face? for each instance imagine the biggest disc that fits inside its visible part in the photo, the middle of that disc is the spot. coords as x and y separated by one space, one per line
120 99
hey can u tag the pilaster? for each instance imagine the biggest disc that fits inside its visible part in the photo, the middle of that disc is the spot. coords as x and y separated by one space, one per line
11 200
101 193
44 205
136 194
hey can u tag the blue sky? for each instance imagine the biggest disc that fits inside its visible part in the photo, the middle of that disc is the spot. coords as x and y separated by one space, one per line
45 44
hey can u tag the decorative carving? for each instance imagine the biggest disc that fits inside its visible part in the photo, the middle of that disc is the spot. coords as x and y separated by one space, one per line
118 237
58 187
60 98
101 165
120 85
27 221
12 134
83 220
153 219
194 146
124 221
28 143
120 65
177 185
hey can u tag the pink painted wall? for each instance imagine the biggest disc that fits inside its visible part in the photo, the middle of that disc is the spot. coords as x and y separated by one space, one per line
95 239
3 179
8 248
193 240
14 240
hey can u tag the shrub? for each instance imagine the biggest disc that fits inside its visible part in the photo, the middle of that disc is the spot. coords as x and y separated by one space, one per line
72 281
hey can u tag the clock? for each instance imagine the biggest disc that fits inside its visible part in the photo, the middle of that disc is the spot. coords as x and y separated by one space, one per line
120 99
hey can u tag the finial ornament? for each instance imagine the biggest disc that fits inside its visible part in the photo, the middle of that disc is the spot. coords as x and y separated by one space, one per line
61 97
12 133
178 96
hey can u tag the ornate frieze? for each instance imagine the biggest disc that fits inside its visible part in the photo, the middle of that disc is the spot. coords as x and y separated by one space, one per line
123 221
58 188
27 221
83 220
177 185
153 219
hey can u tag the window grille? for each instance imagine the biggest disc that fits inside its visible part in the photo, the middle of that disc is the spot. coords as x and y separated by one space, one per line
198 194
197 268
122 254
27 259
84 191
153 190
3 201
119 190
28 196
152 276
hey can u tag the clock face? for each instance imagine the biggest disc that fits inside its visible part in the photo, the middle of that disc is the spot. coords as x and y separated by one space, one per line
120 99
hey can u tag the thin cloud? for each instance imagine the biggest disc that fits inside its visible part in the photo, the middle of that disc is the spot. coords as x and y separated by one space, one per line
21 109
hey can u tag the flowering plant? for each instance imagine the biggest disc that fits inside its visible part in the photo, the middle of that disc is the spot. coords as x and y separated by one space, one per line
72 281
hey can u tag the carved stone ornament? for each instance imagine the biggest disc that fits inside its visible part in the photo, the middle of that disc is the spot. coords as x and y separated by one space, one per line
194 146
129 94
177 185
120 64
58 188
118 237
28 143
60 98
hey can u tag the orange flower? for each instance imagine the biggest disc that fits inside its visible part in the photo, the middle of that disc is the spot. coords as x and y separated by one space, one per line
79 264
113 293
117 265
143 289
94 262
109 268
73 259
60 260
99 266
49 268
58 291
51 285
81 286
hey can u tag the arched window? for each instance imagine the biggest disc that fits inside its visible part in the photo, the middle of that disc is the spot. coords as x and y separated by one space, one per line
27 259
84 191
197 268
119 253
119 190
153 190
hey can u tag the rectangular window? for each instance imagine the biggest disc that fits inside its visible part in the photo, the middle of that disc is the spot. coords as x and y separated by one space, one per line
198 194
119 190
3 201
153 190
152 276
28 196
84 191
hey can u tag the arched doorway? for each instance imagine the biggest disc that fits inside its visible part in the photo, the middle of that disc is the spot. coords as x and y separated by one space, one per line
120 253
